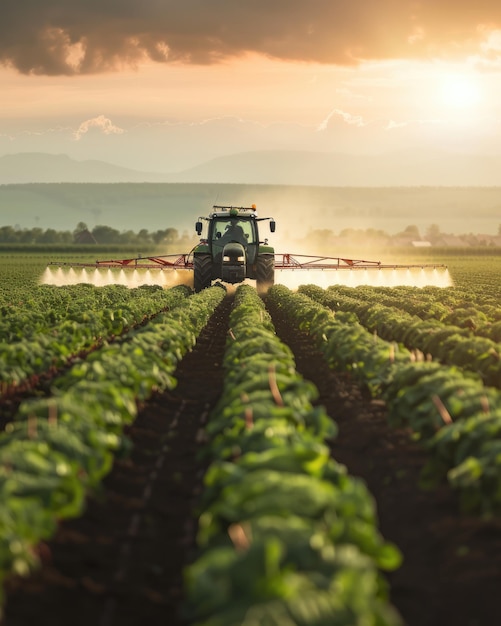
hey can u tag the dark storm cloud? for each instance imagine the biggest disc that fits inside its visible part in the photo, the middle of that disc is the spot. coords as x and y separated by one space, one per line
85 36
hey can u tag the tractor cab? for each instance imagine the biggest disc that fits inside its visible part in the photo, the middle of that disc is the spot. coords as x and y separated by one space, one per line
233 229
233 238
228 235
232 250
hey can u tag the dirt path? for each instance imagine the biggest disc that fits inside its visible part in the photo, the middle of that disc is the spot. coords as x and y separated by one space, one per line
121 563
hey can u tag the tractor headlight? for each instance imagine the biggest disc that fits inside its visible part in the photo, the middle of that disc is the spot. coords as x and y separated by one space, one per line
226 259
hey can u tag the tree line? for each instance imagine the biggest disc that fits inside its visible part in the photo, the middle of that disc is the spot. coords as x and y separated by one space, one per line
105 235
99 235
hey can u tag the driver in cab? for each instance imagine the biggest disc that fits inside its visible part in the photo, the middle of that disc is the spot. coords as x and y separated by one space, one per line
234 232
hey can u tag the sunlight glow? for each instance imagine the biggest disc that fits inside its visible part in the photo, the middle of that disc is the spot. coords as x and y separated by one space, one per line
460 91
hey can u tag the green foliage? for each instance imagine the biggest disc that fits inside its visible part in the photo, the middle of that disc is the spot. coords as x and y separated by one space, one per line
57 323
433 321
453 413
59 447
285 536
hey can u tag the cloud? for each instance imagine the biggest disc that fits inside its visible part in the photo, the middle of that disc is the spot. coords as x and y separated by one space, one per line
392 124
57 37
101 122
348 118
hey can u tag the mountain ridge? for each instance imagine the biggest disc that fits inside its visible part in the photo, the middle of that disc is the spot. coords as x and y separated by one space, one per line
275 167
20 168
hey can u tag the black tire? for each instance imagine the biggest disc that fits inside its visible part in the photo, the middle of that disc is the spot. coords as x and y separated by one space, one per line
265 272
202 271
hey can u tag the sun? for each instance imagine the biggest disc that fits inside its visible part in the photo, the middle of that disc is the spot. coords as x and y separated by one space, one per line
460 91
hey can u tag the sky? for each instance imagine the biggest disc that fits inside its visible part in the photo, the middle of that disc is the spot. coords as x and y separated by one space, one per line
163 85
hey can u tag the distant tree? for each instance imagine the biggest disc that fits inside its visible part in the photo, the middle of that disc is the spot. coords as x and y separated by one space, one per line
411 231
65 236
158 236
128 236
143 236
8 234
165 236
81 226
171 235
49 236
54 236
106 234
376 233
84 237
433 232
32 235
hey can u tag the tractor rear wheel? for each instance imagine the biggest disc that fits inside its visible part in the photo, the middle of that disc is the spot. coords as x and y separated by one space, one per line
202 271
265 272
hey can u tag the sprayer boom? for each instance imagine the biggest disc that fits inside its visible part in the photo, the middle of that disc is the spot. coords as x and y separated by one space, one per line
169 261
283 261
311 262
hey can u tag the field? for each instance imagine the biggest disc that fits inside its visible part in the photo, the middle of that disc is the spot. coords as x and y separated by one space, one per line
325 456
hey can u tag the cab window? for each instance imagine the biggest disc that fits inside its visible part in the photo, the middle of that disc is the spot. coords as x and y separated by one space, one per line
223 226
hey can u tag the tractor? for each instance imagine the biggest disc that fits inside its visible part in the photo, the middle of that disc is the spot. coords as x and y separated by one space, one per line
232 250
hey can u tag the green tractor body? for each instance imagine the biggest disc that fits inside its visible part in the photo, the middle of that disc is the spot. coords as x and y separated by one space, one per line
232 250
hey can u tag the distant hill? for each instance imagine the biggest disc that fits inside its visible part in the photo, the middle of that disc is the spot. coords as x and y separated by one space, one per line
273 167
38 167
345 170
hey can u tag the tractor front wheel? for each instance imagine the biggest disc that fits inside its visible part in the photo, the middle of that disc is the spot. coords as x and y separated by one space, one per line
265 272
202 271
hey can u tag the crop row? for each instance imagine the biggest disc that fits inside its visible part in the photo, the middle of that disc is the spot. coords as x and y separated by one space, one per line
451 306
454 415
43 336
285 535
449 344
58 448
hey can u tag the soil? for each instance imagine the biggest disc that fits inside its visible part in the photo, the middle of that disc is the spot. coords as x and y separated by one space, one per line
121 562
